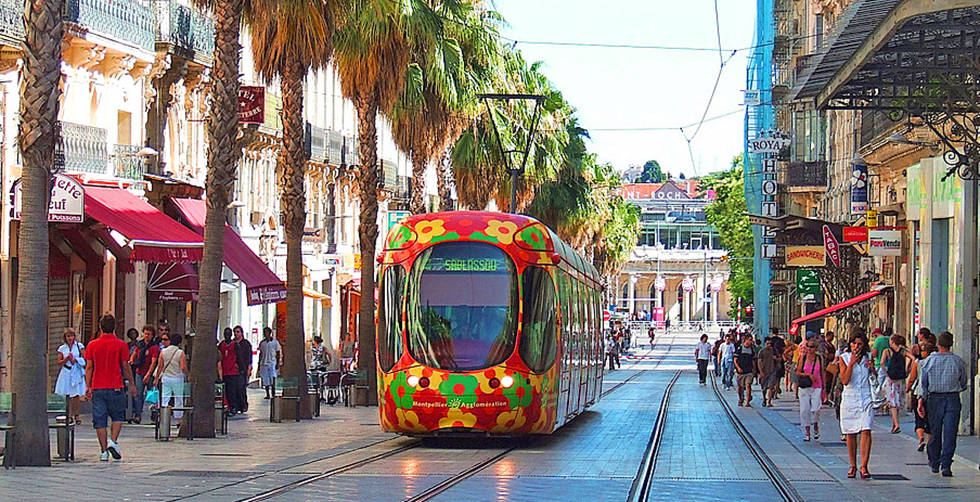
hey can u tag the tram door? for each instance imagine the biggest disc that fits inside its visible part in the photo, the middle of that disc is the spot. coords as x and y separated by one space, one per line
599 357
563 373
576 364
586 344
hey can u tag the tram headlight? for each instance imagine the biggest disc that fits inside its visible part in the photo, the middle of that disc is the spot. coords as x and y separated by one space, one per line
424 382
413 381
507 381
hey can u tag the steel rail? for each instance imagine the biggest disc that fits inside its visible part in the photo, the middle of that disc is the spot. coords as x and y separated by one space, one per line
639 372
642 483
779 481
458 478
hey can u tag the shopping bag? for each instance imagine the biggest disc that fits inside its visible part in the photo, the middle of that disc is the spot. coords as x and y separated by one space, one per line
153 396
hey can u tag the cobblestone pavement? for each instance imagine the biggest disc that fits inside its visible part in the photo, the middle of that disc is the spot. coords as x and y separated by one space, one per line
343 456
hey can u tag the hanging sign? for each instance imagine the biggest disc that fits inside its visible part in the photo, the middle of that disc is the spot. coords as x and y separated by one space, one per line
855 234
831 245
67 200
716 283
771 142
660 283
251 104
884 243
808 284
806 256
687 284
311 234
859 188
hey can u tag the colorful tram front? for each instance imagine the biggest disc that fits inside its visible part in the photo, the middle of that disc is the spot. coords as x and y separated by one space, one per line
487 323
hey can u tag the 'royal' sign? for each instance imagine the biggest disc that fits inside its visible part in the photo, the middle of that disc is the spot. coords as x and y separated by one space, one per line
772 142
67 200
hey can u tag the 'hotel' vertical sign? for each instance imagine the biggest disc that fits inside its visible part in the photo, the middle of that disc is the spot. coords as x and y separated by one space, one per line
768 145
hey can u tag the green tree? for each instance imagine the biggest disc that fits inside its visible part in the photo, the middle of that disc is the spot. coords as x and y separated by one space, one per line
651 173
728 214
290 37
40 93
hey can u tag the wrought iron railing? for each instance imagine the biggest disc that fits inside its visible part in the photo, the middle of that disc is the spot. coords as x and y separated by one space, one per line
127 162
807 174
316 143
351 155
12 20
126 20
187 29
273 106
335 148
82 149
389 175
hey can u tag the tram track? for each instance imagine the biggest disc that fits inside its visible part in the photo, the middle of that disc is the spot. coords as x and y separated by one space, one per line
643 482
776 477
640 372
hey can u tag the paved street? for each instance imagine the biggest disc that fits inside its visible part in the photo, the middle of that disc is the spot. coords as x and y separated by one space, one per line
343 456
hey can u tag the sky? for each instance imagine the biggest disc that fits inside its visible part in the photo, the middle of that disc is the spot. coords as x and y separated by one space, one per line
617 88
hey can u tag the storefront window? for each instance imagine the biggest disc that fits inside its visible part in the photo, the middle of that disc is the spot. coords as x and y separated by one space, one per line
391 292
537 346
462 306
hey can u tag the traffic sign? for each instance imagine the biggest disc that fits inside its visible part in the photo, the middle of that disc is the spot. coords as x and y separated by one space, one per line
606 315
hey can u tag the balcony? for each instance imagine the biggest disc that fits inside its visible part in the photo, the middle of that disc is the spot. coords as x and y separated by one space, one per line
128 21
807 174
82 149
273 107
185 31
389 175
335 148
127 163
351 155
315 143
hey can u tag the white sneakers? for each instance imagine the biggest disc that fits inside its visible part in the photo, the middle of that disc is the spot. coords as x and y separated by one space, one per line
113 450
104 457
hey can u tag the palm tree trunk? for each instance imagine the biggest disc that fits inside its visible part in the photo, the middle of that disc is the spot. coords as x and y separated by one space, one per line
292 169
367 136
223 155
419 163
40 93
443 176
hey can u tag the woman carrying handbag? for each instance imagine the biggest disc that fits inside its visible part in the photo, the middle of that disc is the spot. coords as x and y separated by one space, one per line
809 375
170 373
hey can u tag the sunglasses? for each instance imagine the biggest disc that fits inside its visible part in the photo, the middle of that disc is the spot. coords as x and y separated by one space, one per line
165 339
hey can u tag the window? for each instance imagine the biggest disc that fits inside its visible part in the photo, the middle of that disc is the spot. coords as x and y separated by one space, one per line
537 347
391 292
462 306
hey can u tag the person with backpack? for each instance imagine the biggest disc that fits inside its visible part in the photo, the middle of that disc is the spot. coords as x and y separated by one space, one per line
143 361
896 360
746 366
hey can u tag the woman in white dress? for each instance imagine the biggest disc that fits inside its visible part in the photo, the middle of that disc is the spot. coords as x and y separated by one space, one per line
71 379
170 373
856 413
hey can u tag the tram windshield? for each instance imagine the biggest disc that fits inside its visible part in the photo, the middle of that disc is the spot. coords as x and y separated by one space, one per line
462 306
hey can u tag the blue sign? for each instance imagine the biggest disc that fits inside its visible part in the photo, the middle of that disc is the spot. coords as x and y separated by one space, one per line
859 188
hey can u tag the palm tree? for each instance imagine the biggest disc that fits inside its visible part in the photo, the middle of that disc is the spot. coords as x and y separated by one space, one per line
223 155
38 130
289 37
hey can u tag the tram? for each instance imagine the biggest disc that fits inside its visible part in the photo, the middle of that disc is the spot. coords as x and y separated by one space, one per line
488 323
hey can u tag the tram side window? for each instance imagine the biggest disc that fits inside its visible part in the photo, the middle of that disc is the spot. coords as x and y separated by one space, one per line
537 346
392 291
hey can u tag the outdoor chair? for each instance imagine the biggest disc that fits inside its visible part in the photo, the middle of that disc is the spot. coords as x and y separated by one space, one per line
331 385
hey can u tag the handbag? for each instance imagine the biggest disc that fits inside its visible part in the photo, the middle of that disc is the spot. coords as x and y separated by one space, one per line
878 398
805 382
152 396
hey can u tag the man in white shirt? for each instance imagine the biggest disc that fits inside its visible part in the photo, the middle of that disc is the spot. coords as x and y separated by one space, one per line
702 354
727 354
270 358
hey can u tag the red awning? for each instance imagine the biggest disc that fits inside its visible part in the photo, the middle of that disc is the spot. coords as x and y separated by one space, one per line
261 284
835 308
153 235
172 282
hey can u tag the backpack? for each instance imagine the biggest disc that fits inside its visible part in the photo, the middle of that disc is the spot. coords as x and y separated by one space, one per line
896 369
140 349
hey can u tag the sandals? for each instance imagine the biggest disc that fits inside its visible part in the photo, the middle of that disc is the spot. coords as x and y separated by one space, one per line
864 473
852 472
896 430
806 439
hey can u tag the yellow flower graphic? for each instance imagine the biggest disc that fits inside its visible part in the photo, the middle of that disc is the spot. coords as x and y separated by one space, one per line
503 230
427 230
456 418
409 421
510 421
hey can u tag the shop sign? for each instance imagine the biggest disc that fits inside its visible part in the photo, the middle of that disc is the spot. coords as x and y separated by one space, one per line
806 256
251 104
884 243
855 234
333 260
859 188
769 143
753 97
314 235
352 261
808 285
67 200
831 245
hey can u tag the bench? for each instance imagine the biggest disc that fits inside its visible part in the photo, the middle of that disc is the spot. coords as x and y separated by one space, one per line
7 400
180 392
54 404
287 389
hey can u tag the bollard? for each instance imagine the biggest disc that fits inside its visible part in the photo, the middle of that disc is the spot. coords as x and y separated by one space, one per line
220 421
64 437
275 409
163 423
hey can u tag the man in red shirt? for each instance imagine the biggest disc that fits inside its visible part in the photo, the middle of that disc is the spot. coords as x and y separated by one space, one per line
228 371
108 362
144 363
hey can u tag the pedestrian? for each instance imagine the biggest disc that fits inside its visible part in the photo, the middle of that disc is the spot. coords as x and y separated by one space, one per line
320 358
144 359
828 350
746 364
728 361
106 366
809 380
716 355
791 355
856 413
170 373
244 350
924 335
611 348
879 344
768 375
667 325
228 371
895 360
942 377
650 333
71 378
702 354
270 357
778 347
922 429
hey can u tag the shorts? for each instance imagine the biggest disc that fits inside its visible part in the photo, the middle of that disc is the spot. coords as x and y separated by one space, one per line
267 372
744 380
769 381
108 404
